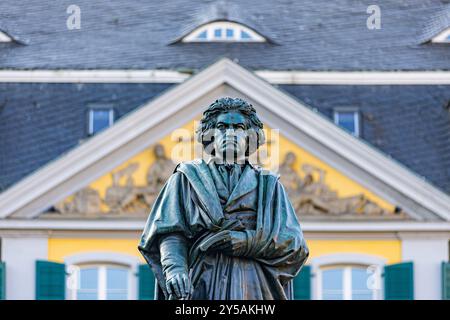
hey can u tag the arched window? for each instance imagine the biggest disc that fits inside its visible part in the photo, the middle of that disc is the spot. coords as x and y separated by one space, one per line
223 31
101 282
345 282
443 37
102 276
347 277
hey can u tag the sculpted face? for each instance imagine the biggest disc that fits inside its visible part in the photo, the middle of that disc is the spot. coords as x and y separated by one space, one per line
230 136
159 151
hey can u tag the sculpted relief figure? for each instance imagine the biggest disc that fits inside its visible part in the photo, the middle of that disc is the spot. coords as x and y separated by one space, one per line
122 199
85 202
311 196
158 173
288 176
223 228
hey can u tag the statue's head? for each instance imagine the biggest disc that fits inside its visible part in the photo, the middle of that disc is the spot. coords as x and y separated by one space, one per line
230 128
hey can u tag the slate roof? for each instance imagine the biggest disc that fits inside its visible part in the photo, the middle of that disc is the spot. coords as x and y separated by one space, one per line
409 123
437 23
306 35
39 122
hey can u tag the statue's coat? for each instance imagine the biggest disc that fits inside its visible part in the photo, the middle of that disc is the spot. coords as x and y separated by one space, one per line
192 203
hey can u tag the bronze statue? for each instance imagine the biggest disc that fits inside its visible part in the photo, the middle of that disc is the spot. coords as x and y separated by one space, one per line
223 228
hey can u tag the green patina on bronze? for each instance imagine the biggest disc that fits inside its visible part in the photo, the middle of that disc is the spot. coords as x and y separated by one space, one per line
221 229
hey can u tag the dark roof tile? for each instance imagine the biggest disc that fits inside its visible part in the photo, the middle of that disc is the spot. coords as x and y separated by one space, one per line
311 35
39 122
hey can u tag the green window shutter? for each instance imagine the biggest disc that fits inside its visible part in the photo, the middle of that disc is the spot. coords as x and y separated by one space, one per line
50 280
2 281
445 281
146 283
399 281
302 284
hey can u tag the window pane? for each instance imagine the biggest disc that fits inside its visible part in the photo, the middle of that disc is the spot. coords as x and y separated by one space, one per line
245 35
117 283
83 295
100 120
123 295
202 35
218 33
360 291
230 33
332 284
116 278
89 278
88 284
347 120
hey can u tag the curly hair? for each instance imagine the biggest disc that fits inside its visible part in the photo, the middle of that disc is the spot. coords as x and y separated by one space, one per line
205 132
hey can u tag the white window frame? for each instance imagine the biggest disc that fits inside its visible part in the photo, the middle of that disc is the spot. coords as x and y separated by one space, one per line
75 261
91 117
349 260
223 25
347 280
442 37
102 279
356 117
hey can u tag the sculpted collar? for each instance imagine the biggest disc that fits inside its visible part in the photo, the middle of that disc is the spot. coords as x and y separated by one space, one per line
218 160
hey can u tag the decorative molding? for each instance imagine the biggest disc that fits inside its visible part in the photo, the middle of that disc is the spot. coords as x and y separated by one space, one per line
350 155
356 77
138 225
103 257
208 32
347 258
97 156
273 77
4 37
442 37
311 197
125 201
93 76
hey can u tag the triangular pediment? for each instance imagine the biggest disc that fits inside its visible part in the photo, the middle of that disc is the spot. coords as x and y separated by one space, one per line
322 149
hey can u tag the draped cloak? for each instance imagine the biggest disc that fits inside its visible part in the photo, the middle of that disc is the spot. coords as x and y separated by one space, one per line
196 203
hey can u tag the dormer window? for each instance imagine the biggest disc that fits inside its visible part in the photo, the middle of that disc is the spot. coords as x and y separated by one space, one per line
347 119
100 118
4 37
443 37
223 31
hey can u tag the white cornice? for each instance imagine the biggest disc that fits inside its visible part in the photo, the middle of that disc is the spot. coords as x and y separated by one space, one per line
138 225
274 77
93 76
100 154
357 78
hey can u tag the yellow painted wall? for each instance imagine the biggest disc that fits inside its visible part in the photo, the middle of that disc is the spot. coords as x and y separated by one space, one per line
146 158
59 248
386 248
334 179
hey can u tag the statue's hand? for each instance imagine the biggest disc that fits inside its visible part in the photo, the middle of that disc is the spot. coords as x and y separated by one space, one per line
179 286
230 242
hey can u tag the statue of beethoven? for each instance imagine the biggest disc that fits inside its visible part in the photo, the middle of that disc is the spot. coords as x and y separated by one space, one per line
222 228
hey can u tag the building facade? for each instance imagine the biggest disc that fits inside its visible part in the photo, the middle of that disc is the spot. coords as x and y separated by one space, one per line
356 119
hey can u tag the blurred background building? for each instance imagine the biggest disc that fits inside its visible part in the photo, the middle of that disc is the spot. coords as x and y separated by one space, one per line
98 102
